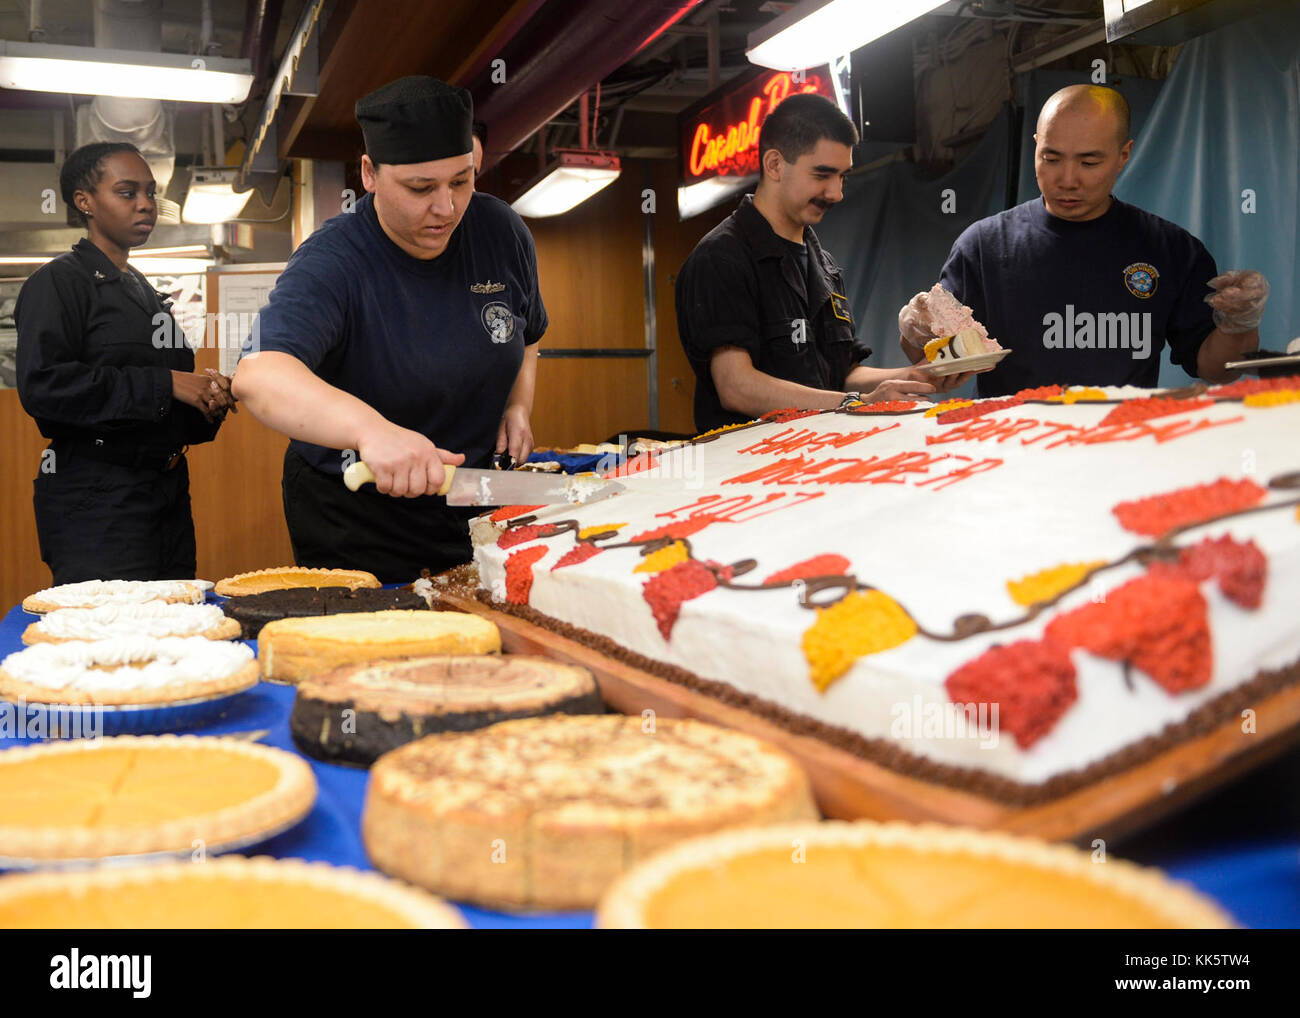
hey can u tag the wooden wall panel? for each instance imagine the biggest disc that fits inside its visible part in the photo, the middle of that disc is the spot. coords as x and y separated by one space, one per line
21 570
588 400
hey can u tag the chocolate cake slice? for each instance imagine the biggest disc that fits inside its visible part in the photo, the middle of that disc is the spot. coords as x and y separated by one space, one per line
356 713
253 611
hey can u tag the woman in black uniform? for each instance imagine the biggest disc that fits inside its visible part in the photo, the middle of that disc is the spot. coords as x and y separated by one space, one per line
104 370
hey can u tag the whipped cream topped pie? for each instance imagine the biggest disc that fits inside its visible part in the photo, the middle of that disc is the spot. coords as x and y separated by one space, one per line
93 593
153 618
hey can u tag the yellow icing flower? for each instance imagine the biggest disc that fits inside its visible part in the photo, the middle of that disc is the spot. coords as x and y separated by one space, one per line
1079 395
664 558
864 622
933 347
948 404
600 528
1278 397
1048 583
718 431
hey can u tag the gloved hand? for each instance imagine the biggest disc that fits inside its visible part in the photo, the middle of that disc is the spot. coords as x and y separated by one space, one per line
1238 300
914 326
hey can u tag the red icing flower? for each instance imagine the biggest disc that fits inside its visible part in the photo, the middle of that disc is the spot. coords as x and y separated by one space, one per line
966 413
1160 514
507 512
518 535
887 406
581 553
1240 568
1250 386
666 592
635 465
1145 409
1041 392
680 529
519 573
1158 623
1032 683
820 565
788 414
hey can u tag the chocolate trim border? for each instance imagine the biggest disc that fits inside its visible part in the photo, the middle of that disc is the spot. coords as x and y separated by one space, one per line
1204 719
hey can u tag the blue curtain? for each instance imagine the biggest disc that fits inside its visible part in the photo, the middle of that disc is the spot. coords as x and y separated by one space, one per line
1227 121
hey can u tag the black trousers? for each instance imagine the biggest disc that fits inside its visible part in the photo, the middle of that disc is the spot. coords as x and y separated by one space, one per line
103 521
394 538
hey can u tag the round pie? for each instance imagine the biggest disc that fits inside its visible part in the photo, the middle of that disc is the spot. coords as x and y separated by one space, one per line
895 876
153 618
219 894
93 593
545 812
359 712
141 794
285 577
127 670
254 611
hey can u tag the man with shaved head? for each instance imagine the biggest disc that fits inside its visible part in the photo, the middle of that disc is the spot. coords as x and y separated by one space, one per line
1082 287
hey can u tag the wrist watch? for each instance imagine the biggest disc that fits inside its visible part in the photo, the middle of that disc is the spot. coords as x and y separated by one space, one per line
850 398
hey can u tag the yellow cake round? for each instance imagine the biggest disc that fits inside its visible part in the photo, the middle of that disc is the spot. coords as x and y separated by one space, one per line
219 894
895 876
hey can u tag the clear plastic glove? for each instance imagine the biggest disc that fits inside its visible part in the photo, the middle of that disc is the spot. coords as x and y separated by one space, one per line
914 326
1238 300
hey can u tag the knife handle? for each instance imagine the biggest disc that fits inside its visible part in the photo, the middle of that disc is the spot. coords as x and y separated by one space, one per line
358 474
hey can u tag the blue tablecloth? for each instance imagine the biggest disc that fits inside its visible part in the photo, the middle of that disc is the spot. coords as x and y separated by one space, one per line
1241 846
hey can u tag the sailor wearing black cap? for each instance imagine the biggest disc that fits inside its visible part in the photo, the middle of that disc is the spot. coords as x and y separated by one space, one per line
403 332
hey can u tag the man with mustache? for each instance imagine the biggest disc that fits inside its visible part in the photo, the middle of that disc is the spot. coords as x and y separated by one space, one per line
403 333
1084 288
761 308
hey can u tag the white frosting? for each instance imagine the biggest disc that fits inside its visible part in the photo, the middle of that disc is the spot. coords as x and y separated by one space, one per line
941 552
126 662
92 593
152 618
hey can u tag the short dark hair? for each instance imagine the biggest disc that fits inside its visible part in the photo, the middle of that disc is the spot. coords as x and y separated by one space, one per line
800 122
81 171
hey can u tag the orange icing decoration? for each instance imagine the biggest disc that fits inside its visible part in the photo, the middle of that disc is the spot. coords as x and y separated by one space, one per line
1160 514
507 512
665 558
519 573
600 528
1047 584
820 565
1271 399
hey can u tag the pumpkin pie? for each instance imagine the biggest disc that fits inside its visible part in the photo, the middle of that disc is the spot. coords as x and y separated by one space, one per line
93 593
219 894
153 618
127 670
895 876
291 650
356 713
546 812
142 794
286 577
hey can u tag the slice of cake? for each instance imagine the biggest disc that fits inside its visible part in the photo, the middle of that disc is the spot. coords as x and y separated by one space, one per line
356 713
546 812
253 611
894 876
291 650
956 332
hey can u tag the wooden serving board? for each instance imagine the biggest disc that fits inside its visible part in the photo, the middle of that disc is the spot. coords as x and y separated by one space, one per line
849 787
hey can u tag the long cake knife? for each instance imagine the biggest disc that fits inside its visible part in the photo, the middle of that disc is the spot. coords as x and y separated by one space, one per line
470 486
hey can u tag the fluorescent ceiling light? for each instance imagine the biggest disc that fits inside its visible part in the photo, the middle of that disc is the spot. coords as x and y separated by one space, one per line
812 32
184 251
703 195
88 70
170 266
211 198
574 178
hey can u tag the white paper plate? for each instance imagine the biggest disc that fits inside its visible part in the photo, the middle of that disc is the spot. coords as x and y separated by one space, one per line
979 362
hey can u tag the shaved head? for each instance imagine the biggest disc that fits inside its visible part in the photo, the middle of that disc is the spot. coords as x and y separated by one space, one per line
1088 100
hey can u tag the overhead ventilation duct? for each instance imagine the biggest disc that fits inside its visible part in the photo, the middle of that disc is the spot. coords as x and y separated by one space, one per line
144 123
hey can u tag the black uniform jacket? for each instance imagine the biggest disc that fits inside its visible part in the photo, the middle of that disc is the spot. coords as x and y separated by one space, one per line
743 286
95 361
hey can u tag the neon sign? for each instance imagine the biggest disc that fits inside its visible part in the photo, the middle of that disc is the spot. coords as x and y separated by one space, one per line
722 138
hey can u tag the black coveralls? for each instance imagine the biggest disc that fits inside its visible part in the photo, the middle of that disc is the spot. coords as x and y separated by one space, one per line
95 356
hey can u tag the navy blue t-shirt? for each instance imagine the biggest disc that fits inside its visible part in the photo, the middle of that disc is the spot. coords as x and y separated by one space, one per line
434 346
1086 303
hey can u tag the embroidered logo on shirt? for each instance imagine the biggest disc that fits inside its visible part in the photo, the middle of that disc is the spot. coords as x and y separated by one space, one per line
99 275
488 287
840 307
499 322
1141 279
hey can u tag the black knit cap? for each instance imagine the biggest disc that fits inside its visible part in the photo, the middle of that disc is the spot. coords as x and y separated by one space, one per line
416 120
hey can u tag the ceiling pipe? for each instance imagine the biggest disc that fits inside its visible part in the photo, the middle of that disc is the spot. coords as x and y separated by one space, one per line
258 44
573 45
